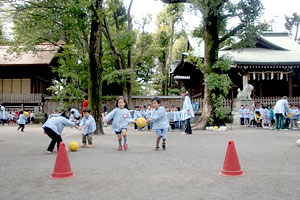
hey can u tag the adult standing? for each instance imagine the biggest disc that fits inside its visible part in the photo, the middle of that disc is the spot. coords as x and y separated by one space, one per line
280 110
188 111
85 104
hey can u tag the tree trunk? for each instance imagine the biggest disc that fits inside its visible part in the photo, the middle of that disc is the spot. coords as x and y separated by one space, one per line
211 40
95 66
129 55
297 29
169 59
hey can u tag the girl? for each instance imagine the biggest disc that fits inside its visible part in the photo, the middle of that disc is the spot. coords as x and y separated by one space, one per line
160 122
188 111
121 117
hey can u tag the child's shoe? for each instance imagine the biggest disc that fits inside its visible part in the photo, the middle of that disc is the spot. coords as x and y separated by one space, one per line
83 145
157 148
89 145
164 146
125 146
120 148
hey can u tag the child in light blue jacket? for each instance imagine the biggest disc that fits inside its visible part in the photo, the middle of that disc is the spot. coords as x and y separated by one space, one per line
160 122
22 121
89 125
121 117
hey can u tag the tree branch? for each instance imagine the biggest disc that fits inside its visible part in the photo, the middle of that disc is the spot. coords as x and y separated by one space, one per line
231 33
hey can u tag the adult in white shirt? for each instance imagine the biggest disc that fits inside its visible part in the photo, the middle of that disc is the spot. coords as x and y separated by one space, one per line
188 111
280 110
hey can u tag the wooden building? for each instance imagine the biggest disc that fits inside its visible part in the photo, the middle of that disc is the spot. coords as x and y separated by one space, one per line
24 78
272 66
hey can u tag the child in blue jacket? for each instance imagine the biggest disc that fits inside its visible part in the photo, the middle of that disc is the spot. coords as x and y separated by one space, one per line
160 122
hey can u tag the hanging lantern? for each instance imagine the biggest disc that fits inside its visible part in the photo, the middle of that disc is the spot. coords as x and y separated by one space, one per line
281 75
272 75
263 76
254 77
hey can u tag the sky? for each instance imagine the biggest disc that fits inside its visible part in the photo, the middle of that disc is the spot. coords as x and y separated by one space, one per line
274 10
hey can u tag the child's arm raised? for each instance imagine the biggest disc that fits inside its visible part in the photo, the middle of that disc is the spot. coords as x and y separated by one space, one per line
110 115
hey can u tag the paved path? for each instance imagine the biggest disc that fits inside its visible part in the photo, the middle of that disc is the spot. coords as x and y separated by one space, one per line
188 169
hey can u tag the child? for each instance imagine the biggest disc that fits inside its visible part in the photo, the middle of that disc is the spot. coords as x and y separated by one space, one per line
252 117
272 117
241 113
246 116
5 117
137 113
121 116
266 117
176 117
22 121
160 122
75 113
89 125
148 115
53 127
258 119
295 116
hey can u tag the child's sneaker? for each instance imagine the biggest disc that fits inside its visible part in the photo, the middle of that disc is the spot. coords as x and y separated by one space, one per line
125 146
164 146
120 148
89 145
83 145
157 148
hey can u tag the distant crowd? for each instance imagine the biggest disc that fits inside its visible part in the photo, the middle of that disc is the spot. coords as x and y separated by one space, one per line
11 117
279 116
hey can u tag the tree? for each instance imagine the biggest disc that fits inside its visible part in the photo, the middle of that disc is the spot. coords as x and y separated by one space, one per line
165 39
215 17
78 23
292 21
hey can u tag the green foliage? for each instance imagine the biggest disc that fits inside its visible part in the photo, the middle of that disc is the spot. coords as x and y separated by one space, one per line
72 73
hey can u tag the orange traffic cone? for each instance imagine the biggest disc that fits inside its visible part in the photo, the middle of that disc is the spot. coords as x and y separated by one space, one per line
231 165
62 168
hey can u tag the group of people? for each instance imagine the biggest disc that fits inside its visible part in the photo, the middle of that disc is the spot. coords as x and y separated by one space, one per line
177 117
279 116
157 117
11 117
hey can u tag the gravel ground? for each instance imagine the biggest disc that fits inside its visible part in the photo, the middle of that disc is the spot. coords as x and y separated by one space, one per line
188 169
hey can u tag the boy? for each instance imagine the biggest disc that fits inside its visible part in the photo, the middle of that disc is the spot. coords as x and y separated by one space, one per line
295 116
241 113
247 116
89 125
258 119
75 113
160 122
53 127
22 121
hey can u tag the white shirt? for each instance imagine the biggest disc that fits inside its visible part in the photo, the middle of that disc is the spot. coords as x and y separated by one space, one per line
281 107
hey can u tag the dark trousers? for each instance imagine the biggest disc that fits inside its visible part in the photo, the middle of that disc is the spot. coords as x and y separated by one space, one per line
279 121
188 128
55 138
242 121
21 126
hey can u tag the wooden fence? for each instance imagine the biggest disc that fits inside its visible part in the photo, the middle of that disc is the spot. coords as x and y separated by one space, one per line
20 98
265 101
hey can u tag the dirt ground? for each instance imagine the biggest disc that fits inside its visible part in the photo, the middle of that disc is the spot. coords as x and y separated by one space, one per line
188 169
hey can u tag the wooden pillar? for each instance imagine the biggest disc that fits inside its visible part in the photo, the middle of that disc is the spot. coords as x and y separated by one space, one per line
260 90
290 82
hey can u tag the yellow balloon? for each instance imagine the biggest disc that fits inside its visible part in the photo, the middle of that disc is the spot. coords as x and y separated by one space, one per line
141 122
73 146
26 114
216 128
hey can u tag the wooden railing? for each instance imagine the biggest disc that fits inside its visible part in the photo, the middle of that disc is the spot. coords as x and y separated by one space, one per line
21 98
265 101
